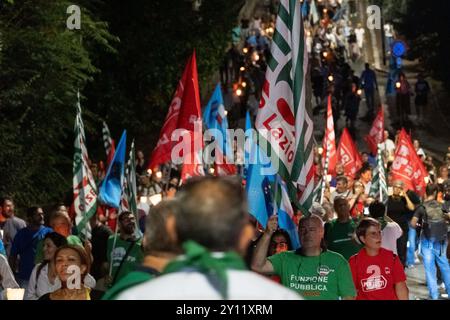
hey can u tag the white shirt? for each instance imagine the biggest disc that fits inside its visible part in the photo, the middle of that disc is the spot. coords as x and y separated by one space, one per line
6 276
44 286
389 236
184 285
360 35
388 145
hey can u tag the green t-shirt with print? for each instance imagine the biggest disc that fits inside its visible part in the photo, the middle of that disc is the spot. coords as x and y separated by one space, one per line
133 259
339 238
325 277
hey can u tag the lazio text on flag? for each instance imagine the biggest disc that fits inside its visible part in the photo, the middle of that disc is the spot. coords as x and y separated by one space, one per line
111 188
283 119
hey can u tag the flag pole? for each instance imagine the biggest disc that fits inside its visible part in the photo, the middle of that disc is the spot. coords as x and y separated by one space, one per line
325 172
114 244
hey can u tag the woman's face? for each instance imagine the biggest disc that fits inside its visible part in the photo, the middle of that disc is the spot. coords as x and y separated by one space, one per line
64 259
278 244
372 239
49 249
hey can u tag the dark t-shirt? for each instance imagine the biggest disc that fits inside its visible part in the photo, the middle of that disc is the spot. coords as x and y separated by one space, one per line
100 235
397 211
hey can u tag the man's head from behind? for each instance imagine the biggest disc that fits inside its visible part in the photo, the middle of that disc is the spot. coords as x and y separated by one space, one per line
342 208
377 209
158 238
213 213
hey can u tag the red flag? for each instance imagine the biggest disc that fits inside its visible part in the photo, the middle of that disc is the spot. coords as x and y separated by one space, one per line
330 140
407 165
348 154
183 112
192 143
223 168
376 134
110 155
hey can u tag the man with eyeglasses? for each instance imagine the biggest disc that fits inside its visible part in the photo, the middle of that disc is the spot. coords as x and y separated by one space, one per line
124 251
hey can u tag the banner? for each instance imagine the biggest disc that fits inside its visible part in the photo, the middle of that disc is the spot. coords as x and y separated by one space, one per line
376 134
348 154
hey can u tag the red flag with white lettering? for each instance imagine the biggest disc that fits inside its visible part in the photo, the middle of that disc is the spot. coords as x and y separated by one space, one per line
330 140
348 154
192 153
183 112
407 165
222 167
376 134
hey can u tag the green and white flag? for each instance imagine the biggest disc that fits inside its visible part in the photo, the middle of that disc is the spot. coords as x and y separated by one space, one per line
379 190
284 121
129 190
84 187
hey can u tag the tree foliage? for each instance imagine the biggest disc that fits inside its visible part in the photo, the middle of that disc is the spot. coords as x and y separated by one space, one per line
426 26
126 61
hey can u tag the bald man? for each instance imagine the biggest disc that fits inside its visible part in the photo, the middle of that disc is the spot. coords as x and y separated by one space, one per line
312 271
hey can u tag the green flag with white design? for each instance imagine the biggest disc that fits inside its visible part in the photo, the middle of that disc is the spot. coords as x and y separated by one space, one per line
378 189
84 187
284 121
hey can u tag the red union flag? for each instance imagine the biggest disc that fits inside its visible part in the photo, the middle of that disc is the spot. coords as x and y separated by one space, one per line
329 141
376 134
183 112
348 155
407 166
192 149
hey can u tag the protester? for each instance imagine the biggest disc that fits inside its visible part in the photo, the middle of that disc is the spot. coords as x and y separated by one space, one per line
212 227
68 259
403 99
24 246
390 230
433 240
377 273
339 232
280 242
307 270
370 84
341 190
159 248
422 88
43 278
399 206
6 277
124 250
99 240
11 224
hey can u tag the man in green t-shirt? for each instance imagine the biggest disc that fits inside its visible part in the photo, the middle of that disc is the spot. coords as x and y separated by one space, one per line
339 232
312 271
124 250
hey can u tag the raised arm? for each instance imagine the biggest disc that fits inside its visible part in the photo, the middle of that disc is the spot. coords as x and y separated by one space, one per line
260 263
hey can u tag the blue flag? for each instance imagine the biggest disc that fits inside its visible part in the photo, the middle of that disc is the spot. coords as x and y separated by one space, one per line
248 142
214 117
286 214
259 186
111 188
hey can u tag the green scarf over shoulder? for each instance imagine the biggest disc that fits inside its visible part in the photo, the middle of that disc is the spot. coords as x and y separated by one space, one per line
213 265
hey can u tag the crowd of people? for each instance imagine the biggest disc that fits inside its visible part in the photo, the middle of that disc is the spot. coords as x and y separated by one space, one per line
198 241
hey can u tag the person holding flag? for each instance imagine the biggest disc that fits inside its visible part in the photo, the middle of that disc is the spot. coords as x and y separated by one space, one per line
308 269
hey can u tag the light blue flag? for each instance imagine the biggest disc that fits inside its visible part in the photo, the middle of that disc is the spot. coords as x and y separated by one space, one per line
111 188
248 141
286 214
259 185
214 117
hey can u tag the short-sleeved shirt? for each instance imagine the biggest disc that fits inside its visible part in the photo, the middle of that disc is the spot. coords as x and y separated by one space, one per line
10 228
133 259
339 238
324 277
24 245
397 211
375 277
